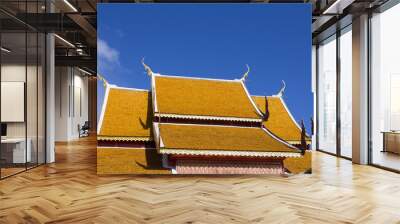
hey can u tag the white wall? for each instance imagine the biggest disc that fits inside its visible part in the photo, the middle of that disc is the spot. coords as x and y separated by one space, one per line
80 109
33 126
71 102
16 73
62 81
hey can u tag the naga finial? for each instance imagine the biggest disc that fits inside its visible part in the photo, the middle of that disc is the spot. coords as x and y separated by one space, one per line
244 77
303 142
280 93
101 78
147 68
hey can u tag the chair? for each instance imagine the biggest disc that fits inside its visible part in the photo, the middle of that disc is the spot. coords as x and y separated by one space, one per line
84 130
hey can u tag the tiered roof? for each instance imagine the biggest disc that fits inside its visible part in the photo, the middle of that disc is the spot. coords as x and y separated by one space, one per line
126 115
211 99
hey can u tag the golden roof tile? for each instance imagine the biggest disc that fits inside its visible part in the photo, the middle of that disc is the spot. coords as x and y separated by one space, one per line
203 97
127 115
116 160
221 140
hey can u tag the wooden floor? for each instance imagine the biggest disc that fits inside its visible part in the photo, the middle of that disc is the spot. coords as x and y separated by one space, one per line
386 159
5 172
69 191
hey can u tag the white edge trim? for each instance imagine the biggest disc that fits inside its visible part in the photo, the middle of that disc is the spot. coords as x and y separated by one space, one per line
124 139
128 88
153 93
208 117
228 153
161 143
297 142
116 147
199 78
288 111
208 125
156 134
103 109
279 140
251 99
259 96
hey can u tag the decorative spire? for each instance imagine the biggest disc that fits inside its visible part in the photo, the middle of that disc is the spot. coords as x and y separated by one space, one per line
312 125
266 113
244 77
280 93
101 78
303 143
147 68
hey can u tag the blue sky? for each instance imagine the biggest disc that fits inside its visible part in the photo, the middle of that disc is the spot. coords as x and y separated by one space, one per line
212 41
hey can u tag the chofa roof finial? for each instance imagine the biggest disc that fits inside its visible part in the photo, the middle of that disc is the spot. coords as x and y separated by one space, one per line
101 78
303 143
147 68
280 93
244 77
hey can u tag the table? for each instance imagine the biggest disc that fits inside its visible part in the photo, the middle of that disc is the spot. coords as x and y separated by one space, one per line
391 141
16 148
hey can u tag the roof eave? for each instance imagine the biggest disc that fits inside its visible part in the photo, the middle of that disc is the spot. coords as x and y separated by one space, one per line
236 153
201 117
258 111
124 139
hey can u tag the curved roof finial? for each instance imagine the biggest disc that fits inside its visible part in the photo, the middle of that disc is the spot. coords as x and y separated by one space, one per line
303 142
101 78
244 77
280 93
147 68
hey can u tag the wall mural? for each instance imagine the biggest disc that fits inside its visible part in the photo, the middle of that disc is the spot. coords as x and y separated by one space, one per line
184 124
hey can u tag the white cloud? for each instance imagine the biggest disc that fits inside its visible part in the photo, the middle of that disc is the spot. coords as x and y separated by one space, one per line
104 51
108 60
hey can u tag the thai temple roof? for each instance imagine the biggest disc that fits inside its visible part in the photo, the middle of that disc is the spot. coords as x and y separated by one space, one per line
133 115
126 115
203 99
280 121
195 125
221 140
